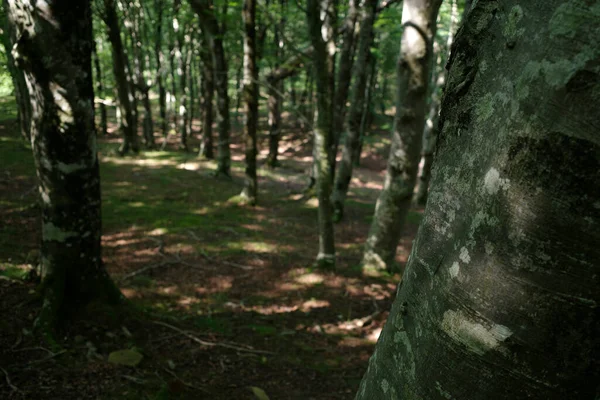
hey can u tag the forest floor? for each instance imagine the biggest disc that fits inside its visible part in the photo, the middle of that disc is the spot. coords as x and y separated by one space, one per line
230 305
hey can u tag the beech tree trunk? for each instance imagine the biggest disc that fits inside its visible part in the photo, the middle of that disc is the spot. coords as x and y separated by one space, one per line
208 89
355 114
58 68
500 296
418 18
161 76
214 38
324 66
99 91
250 91
127 122
18 79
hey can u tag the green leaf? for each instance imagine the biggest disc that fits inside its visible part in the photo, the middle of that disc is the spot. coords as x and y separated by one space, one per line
259 393
130 358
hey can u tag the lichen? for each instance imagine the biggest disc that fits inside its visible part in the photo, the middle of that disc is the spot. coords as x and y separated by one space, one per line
53 232
472 335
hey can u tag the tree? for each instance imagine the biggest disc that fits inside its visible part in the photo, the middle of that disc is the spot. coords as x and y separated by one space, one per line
54 50
499 299
250 100
213 34
322 37
418 20
128 121
355 114
208 90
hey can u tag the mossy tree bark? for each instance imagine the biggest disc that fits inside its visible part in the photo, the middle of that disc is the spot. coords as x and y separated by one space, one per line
127 122
357 104
321 34
213 34
54 50
500 296
250 93
418 19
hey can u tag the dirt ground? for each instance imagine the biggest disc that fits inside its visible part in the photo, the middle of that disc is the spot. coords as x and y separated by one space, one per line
226 302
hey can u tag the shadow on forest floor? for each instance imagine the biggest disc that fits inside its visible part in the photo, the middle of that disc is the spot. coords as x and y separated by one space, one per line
206 270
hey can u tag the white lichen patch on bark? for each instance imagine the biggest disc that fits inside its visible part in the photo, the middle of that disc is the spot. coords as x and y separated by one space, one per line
492 182
53 232
65 111
474 336
70 168
464 255
454 269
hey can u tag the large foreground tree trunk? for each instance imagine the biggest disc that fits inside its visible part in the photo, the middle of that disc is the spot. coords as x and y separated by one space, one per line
127 123
500 296
54 50
321 35
418 19
250 92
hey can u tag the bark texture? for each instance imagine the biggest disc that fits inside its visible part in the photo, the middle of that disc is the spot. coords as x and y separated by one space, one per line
500 296
208 90
54 49
99 92
321 35
357 104
419 19
161 73
250 92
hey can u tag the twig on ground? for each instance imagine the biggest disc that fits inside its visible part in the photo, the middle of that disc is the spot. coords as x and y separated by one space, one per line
173 261
184 382
209 258
134 379
211 344
8 382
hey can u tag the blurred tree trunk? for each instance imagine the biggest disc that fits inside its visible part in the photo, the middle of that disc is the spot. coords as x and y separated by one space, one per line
430 132
18 80
58 68
500 297
130 140
250 91
357 103
321 32
368 111
100 92
214 38
161 75
208 90
418 19
183 62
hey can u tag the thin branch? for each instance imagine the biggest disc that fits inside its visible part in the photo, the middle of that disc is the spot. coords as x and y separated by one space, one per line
211 344
8 382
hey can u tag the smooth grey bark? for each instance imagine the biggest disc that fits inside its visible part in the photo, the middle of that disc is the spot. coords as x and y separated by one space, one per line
127 123
250 92
214 38
18 80
393 204
368 111
357 104
54 50
322 38
208 89
500 297
183 62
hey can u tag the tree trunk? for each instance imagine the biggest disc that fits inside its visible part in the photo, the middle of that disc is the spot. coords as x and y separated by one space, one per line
500 297
183 61
214 38
99 92
430 132
208 89
344 76
250 100
352 139
418 19
368 112
130 141
161 76
324 66
58 68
